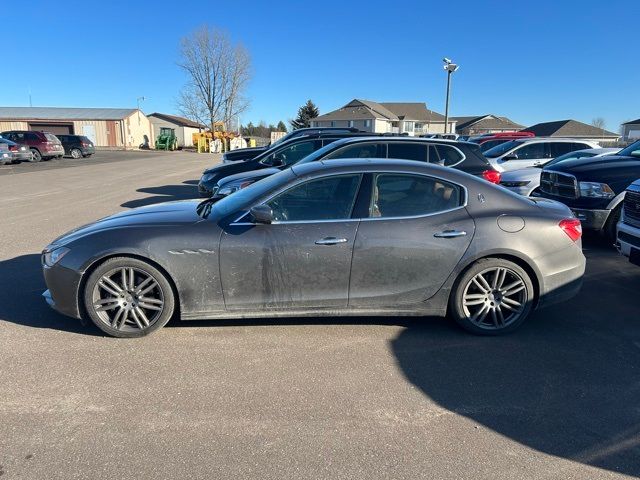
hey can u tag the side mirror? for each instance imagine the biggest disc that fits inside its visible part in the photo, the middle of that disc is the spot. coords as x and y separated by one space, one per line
277 161
262 214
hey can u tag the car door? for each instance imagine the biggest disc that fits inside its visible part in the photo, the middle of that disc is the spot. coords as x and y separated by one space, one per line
416 233
528 155
303 258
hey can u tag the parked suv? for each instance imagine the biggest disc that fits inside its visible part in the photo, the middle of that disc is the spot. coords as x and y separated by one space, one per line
43 145
460 155
593 187
249 153
77 146
279 154
530 152
19 153
629 225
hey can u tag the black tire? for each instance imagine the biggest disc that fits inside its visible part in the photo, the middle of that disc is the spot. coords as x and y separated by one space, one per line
35 155
463 315
76 153
609 230
102 320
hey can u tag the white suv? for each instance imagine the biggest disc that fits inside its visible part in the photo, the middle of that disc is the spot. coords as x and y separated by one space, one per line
629 224
531 152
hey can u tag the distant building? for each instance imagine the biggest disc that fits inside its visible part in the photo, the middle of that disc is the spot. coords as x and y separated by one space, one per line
385 117
106 127
572 129
184 127
631 131
476 125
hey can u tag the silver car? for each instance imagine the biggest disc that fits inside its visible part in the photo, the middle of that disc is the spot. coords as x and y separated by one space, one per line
526 181
347 237
532 151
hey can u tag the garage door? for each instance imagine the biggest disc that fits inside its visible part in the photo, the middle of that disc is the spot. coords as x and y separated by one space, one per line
63 128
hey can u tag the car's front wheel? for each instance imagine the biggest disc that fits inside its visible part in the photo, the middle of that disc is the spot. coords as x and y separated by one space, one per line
492 297
126 297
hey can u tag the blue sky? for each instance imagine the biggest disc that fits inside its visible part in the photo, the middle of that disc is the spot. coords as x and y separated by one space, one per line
531 61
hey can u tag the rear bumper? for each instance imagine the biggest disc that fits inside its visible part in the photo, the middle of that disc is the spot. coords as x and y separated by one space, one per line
563 280
22 156
591 219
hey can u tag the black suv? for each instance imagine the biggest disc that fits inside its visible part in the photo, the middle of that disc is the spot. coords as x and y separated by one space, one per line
280 154
460 155
77 145
252 152
593 187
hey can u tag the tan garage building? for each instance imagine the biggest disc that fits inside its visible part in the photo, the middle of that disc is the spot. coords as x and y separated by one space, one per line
116 128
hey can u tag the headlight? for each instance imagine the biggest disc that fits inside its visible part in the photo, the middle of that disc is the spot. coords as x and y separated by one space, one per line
54 256
596 190
233 187
515 184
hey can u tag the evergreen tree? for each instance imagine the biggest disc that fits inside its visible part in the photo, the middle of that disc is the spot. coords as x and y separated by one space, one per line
281 126
305 114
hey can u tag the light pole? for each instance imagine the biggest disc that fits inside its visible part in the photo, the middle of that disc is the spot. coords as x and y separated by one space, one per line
450 67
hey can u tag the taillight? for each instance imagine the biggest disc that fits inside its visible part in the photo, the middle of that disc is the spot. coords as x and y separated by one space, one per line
492 176
572 227
13 148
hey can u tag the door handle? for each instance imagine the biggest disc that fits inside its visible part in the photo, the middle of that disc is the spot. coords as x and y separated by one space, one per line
330 241
450 234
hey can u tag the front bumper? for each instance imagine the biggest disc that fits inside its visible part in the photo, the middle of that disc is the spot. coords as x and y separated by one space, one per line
63 286
591 219
628 238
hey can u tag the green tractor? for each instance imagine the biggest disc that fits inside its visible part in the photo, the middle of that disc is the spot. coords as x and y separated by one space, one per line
167 139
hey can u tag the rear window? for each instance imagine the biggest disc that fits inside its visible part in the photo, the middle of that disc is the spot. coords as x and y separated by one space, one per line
448 156
51 138
85 139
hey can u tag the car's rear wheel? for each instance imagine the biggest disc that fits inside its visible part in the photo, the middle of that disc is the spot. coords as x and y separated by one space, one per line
126 297
76 153
35 155
492 297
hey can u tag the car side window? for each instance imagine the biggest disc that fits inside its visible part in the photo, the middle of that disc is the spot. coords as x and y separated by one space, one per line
329 198
358 150
532 151
580 146
293 153
406 195
408 151
560 148
31 137
448 155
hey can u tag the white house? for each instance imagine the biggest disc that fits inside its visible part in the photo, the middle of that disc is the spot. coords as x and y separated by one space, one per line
413 118
184 127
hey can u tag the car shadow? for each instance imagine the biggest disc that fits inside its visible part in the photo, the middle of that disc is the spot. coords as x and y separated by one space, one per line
21 302
567 383
165 193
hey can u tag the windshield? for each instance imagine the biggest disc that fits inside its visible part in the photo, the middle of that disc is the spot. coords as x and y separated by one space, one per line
501 149
317 154
569 156
240 199
632 150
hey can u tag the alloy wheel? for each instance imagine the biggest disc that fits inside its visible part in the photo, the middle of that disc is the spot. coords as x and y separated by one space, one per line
128 299
495 298
75 153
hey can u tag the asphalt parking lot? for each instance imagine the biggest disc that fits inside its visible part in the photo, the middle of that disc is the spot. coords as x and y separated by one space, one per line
312 398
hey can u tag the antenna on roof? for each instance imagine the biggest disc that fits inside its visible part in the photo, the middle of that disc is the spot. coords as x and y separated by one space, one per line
30 104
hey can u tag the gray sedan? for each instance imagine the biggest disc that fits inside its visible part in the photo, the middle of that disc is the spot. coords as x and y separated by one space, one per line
345 237
526 181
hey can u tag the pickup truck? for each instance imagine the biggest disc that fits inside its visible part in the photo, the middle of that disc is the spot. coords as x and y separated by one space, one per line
593 188
629 226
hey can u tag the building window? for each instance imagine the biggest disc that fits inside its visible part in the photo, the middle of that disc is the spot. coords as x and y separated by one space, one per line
350 123
408 127
333 124
367 123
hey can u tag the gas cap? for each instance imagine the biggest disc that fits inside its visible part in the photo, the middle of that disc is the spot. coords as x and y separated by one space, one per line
510 223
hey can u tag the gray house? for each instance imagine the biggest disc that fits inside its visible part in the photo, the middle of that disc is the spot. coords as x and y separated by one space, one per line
573 129
631 130
412 118
478 124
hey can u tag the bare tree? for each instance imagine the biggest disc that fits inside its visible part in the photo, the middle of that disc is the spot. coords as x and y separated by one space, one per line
599 122
218 72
